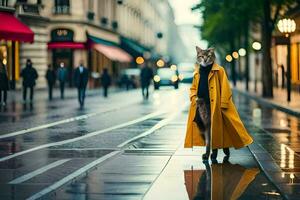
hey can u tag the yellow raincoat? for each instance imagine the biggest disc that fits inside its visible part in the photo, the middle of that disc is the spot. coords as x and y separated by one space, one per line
227 129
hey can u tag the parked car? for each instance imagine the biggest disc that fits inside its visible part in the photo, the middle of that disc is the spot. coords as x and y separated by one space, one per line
186 72
166 77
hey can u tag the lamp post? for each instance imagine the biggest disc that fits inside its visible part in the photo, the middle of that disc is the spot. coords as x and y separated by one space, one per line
256 46
287 26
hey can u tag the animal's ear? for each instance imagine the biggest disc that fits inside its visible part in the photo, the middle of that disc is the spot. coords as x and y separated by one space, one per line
211 49
198 49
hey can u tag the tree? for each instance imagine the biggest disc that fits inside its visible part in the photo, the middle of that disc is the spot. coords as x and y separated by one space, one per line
224 21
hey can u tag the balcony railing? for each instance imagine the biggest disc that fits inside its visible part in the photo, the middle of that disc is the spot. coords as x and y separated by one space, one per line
27 8
61 10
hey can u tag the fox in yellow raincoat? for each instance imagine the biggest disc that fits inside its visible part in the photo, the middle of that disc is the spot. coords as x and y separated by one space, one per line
227 129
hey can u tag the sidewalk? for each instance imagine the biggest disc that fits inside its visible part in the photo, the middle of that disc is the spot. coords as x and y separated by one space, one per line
279 101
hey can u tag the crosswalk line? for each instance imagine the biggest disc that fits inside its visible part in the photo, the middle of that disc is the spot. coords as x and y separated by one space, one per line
38 172
71 176
151 115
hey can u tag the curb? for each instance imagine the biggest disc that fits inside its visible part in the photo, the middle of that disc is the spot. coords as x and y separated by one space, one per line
261 155
268 103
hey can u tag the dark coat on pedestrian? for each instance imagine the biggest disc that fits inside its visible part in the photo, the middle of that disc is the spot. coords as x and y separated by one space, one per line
146 76
105 78
62 74
81 79
4 82
50 76
29 75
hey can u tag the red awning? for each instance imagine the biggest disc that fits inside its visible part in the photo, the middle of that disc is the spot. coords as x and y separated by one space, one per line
112 52
12 29
66 45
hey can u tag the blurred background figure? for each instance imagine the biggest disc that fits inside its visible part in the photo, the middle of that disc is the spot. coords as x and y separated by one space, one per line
146 77
51 77
29 75
4 84
62 78
105 81
81 76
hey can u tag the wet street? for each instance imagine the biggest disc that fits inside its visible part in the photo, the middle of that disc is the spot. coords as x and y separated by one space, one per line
124 147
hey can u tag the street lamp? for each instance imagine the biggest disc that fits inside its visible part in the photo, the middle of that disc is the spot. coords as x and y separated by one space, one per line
242 52
256 46
228 58
287 26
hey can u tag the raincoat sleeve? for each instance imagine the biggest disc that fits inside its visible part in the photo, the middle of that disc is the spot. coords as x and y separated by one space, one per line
226 93
193 90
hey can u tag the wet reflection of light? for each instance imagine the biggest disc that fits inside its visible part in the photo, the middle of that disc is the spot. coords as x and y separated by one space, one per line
292 176
156 98
272 193
282 123
282 175
256 115
282 156
290 162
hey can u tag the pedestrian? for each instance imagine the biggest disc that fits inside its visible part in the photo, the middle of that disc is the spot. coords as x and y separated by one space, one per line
81 80
146 77
62 78
51 77
213 120
29 75
105 81
4 84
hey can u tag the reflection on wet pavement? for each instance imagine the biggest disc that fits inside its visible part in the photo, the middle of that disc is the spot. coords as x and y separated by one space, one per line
219 181
277 144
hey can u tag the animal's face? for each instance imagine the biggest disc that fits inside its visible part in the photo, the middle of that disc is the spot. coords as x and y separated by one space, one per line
205 57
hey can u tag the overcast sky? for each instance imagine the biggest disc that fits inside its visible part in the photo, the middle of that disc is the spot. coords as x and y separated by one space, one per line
182 11
185 19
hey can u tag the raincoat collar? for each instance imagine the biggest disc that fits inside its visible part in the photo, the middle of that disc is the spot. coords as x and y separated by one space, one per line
215 67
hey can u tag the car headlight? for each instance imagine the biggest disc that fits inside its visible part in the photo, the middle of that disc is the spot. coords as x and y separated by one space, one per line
181 77
156 78
174 78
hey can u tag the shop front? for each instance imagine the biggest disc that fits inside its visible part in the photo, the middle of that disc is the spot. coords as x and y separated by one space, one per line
12 32
63 50
106 54
280 58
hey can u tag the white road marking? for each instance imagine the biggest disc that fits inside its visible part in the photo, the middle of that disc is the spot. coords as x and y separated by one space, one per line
154 128
84 136
37 172
71 176
72 119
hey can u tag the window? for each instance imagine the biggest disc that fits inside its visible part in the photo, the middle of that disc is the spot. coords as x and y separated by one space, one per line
4 3
62 7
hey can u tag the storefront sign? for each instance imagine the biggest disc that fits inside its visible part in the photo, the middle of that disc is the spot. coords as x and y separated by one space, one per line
62 35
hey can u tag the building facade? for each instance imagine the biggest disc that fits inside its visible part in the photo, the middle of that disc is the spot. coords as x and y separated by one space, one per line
98 33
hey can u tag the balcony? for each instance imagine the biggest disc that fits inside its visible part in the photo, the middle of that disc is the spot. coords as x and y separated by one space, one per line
26 8
64 10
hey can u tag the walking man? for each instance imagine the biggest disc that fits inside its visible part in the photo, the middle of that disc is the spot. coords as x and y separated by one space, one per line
146 77
62 78
29 75
3 84
50 76
105 81
81 80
